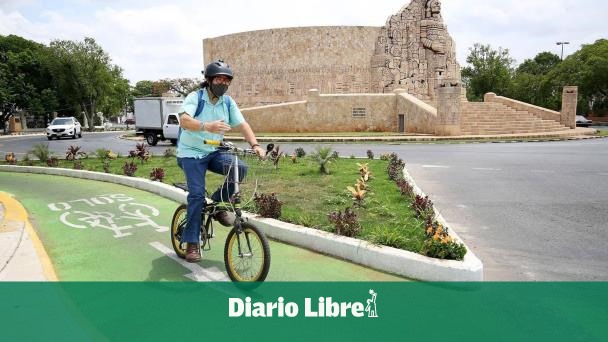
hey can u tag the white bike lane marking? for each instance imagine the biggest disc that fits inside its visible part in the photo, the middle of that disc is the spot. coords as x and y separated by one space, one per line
132 214
198 273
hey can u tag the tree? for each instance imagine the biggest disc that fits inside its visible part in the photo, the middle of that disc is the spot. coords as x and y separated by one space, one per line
587 69
529 83
142 89
85 75
489 70
25 79
540 65
183 86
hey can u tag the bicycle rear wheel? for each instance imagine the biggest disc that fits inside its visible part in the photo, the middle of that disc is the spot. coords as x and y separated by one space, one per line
178 224
247 254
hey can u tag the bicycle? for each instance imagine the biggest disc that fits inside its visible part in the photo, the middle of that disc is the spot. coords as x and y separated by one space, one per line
246 250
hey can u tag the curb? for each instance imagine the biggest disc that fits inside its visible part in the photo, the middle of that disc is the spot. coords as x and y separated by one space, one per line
383 258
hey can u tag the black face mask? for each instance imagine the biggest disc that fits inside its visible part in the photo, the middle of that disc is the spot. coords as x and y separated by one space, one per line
218 89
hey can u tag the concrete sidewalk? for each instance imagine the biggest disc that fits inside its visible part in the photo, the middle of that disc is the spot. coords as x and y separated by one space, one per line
22 256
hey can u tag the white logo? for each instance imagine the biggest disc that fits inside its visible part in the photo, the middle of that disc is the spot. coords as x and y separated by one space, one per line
371 305
318 307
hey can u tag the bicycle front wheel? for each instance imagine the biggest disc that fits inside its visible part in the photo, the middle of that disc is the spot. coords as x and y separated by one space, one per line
247 254
178 224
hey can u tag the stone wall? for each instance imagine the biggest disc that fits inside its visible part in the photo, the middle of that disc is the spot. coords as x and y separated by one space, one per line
327 114
420 117
281 65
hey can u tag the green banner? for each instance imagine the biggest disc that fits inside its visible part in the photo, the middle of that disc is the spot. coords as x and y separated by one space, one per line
304 311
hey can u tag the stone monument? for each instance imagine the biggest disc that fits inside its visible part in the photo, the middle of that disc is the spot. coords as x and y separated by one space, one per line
415 52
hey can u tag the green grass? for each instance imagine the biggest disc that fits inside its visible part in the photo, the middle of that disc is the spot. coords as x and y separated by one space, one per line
308 196
602 133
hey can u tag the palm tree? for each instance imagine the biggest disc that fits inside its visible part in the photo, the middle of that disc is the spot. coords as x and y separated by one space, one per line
323 156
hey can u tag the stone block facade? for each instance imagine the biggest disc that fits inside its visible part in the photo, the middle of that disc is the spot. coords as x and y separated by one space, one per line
413 51
282 65
327 114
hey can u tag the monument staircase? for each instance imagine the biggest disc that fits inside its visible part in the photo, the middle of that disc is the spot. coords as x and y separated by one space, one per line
491 118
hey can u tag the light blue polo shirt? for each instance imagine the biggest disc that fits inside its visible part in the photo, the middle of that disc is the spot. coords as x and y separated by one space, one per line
190 143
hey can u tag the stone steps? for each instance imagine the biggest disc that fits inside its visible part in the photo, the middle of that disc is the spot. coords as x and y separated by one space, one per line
488 118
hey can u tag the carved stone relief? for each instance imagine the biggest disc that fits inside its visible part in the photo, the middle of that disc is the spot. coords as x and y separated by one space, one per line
414 52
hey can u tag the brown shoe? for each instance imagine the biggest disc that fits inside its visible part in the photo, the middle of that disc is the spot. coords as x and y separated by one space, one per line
224 218
193 252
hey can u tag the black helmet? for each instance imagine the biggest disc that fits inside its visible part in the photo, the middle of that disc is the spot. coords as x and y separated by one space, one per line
218 68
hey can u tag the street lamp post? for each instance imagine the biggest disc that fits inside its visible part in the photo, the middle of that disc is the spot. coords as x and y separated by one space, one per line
562 44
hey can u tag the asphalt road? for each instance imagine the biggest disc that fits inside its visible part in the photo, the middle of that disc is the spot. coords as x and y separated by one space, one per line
530 211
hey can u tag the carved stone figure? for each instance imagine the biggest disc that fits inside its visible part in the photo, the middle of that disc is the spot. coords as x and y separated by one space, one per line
415 49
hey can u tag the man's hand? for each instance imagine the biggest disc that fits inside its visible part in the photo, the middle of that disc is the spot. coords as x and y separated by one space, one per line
259 151
217 127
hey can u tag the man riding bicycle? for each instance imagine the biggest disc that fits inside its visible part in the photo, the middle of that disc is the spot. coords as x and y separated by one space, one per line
207 114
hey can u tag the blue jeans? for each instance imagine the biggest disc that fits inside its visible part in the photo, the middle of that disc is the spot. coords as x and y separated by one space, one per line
195 170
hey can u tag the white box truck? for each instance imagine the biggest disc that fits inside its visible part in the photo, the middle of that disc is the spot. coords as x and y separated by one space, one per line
156 118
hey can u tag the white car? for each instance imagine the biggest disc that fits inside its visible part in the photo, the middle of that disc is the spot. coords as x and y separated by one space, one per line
64 127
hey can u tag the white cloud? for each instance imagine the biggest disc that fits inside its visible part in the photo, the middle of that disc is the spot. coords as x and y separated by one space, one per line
164 39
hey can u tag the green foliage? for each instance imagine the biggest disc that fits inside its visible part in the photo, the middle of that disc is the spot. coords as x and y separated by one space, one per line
300 153
488 70
323 156
587 69
170 153
25 78
103 153
41 151
85 75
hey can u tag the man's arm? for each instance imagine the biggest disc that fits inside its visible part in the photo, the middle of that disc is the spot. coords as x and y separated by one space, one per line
191 124
251 139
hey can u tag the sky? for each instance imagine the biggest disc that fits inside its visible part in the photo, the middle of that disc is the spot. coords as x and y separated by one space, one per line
156 39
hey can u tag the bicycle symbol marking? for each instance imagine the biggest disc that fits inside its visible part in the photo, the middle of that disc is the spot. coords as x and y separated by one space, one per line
132 215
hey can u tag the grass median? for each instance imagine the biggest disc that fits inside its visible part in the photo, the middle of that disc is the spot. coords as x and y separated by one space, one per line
307 195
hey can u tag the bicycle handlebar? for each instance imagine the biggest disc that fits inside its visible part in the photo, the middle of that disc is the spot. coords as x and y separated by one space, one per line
228 146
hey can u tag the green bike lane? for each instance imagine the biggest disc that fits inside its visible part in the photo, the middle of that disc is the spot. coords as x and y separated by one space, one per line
97 231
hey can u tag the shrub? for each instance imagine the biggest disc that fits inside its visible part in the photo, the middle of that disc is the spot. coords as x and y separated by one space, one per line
103 154
140 152
358 193
106 166
78 165
395 167
405 187
346 223
324 157
52 162
385 156
423 207
10 158
335 155
268 205
74 153
300 153
439 244
275 155
157 174
27 161
370 154
129 169
41 151
169 153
